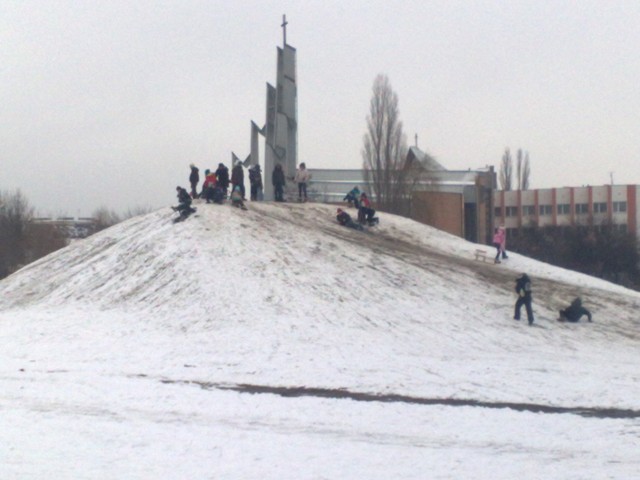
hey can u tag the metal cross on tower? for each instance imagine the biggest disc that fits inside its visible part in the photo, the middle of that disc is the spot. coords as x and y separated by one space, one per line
284 30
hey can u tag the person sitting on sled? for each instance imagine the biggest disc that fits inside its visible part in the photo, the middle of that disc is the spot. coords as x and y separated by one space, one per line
184 203
236 198
574 312
345 220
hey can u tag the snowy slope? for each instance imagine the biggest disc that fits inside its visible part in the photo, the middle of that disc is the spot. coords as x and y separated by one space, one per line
140 327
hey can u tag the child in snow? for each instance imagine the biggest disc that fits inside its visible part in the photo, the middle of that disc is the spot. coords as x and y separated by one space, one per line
353 197
574 312
366 214
209 185
345 220
184 203
503 244
236 198
523 289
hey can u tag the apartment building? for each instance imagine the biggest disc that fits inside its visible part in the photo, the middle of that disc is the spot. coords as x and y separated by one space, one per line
569 206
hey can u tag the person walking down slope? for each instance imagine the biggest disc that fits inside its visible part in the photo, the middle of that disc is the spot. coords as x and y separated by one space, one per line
278 182
523 289
255 180
194 178
574 312
345 220
498 238
301 178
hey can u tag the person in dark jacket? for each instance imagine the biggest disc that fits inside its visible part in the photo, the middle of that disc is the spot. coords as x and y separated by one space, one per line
278 181
222 175
523 289
237 178
255 180
345 220
184 203
194 178
574 312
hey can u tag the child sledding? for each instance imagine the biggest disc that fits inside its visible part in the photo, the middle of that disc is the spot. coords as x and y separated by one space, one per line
184 207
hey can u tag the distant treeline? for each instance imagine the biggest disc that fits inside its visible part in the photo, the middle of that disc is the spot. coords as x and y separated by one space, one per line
606 251
24 239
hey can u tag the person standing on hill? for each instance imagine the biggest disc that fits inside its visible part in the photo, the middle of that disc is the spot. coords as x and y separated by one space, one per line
255 180
523 289
194 178
222 175
278 182
237 178
301 178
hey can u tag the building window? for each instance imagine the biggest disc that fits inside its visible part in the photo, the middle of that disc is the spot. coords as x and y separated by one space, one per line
582 208
529 210
545 209
512 211
600 207
498 211
564 209
619 206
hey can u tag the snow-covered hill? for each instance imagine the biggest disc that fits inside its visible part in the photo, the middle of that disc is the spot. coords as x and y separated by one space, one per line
274 343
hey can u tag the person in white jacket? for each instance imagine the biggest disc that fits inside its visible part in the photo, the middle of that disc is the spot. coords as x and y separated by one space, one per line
301 178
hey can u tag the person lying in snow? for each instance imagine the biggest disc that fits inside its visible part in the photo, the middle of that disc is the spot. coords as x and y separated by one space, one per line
574 312
345 220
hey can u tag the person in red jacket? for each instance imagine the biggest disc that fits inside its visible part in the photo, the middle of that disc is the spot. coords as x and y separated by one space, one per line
209 185
366 214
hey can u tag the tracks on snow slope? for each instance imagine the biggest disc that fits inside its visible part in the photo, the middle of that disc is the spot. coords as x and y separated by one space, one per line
343 394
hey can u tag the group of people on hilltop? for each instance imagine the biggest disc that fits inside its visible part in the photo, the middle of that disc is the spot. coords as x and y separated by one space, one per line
215 187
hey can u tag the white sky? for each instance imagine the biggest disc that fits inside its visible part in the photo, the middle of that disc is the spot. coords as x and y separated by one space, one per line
106 103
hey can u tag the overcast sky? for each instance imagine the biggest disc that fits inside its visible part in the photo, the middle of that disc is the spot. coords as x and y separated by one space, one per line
106 103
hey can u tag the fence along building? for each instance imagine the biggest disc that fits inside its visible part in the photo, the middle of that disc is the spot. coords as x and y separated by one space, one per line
568 206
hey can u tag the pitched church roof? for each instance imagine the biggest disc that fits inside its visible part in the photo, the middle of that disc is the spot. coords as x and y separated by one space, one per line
425 160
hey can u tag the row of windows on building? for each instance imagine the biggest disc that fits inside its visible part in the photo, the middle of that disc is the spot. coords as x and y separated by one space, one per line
528 230
561 209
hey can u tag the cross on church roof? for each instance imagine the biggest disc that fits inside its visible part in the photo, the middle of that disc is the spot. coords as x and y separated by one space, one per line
284 30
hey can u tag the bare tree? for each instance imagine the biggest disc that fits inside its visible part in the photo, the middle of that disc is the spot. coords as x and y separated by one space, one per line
526 172
506 170
523 170
385 148
104 218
